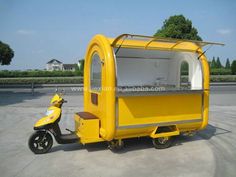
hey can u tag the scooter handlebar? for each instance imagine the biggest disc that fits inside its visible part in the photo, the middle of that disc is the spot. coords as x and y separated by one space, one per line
64 101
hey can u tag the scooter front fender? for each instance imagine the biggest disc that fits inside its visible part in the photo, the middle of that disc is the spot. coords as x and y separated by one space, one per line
42 122
49 119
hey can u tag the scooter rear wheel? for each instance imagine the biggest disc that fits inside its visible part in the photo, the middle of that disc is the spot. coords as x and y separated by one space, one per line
40 142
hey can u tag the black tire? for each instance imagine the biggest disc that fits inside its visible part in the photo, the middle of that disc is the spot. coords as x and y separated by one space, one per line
40 142
115 145
162 142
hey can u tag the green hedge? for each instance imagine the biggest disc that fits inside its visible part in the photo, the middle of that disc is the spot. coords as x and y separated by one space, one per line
215 71
220 71
46 80
216 78
39 73
223 78
79 80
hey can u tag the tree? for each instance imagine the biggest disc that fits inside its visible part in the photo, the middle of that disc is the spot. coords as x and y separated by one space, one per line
6 54
233 67
79 70
179 27
81 65
218 63
213 63
184 68
227 65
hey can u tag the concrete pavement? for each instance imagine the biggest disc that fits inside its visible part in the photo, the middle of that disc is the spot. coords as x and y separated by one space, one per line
212 152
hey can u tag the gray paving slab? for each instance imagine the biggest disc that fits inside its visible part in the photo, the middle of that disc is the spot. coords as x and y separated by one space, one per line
212 152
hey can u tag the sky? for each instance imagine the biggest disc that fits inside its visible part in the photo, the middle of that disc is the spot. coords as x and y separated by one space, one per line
38 31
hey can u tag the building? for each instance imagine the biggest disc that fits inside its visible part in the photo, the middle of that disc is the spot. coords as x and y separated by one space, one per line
56 65
69 67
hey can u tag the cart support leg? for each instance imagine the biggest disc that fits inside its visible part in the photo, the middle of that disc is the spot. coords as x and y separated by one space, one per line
116 144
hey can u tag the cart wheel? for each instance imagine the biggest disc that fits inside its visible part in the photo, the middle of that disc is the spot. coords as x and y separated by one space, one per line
162 142
40 142
116 145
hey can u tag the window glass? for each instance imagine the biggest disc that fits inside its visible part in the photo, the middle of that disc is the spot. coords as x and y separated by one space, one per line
184 75
95 73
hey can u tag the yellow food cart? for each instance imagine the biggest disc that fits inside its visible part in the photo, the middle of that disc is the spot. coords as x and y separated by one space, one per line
134 87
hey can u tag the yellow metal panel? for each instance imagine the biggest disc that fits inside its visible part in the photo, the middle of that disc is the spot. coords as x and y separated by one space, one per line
50 118
87 130
206 78
205 110
105 110
150 39
77 119
172 132
136 44
158 43
134 132
158 109
167 134
141 110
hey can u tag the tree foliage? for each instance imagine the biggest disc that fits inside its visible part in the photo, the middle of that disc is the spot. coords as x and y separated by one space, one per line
6 54
233 67
213 63
179 27
218 63
218 69
227 65
81 65
184 68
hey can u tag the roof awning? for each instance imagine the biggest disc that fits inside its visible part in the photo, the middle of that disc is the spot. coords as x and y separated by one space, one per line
151 42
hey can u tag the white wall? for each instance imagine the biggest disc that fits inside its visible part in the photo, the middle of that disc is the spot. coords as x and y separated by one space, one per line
150 67
140 72
195 70
52 66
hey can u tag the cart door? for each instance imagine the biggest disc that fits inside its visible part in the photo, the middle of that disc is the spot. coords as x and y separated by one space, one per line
95 78
95 84
95 97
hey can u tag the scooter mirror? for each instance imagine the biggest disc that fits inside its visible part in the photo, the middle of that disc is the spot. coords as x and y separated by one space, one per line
63 91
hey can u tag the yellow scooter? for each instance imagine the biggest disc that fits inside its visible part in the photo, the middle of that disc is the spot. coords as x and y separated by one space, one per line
41 140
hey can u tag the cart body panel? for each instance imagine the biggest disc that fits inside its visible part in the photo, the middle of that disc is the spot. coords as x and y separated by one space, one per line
120 114
141 110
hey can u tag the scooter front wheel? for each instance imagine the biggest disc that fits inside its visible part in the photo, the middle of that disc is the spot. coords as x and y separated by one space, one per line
40 142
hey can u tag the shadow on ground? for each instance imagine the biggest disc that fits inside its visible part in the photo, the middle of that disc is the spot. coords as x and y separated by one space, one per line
134 144
11 97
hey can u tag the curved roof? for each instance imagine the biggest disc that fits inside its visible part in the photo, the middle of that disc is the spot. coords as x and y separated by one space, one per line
157 43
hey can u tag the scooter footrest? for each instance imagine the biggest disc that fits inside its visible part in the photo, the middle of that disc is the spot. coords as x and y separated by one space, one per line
68 138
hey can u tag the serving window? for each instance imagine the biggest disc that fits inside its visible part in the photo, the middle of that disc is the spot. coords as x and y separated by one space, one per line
152 70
